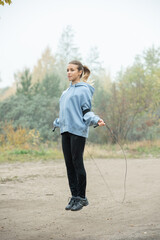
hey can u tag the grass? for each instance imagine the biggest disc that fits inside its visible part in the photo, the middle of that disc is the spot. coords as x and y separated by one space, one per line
8 179
143 149
23 155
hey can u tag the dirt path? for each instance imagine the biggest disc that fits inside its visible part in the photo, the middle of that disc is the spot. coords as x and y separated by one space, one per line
33 197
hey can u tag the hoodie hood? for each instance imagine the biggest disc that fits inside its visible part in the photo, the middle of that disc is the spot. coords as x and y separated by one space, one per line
80 84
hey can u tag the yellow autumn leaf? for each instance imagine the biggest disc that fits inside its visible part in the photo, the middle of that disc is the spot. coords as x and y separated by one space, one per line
5 1
1 2
8 1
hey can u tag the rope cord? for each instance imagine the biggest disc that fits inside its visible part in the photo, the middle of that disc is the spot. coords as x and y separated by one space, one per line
126 165
126 168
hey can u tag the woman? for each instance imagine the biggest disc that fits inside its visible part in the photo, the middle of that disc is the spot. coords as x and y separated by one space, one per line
74 121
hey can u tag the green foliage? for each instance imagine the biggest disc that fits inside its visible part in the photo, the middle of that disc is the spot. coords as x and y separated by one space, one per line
151 58
49 87
43 152
24 82
35 113
34 108
130 105
22 155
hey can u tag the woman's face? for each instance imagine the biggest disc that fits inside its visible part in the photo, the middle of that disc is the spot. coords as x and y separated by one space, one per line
73 73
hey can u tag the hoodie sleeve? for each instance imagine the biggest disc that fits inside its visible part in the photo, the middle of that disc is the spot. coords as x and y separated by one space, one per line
89 118
56 122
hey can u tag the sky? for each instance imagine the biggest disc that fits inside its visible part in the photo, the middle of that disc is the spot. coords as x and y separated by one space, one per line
120 29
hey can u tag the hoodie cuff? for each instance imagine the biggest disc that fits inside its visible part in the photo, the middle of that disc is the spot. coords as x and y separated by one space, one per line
91 119
96 119
56 122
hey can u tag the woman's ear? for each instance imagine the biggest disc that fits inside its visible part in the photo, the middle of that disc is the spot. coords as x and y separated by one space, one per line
80 73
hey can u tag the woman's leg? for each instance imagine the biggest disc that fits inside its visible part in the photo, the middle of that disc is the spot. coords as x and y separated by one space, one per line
71 173
77 149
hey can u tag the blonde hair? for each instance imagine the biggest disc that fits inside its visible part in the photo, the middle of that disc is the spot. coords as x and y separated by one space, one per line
85 70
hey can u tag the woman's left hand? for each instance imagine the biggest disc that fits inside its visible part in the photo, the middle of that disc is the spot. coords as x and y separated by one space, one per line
101 122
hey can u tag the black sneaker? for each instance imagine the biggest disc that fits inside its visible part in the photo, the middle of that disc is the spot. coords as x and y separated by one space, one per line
71 203
79 204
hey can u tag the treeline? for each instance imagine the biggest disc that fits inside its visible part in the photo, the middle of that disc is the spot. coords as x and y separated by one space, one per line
129 104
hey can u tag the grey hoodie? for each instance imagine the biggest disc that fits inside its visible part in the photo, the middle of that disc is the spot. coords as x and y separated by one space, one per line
73 102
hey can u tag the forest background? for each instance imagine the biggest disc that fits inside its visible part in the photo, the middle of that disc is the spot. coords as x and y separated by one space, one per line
129 104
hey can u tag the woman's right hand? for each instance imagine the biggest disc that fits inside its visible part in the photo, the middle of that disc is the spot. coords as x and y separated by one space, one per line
101 123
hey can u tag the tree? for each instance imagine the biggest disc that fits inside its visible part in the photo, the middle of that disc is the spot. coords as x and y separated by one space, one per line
37 113
151 59
130 106
66 52
49 86
45 65
24 82
135 99
94 62
2 2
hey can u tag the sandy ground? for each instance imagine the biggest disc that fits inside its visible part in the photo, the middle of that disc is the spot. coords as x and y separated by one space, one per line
33 196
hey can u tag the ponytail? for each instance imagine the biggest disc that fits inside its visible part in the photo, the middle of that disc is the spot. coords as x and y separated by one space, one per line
85 74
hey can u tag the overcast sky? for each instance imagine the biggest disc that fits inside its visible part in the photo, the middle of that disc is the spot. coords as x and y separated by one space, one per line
120 29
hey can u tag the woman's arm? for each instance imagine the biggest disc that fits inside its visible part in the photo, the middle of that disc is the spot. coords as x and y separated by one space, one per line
88 116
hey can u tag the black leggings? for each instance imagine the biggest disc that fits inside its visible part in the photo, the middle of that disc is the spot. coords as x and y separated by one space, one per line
73 148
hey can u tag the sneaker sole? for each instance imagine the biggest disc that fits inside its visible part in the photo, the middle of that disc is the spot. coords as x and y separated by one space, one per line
67 209
72 209
86 204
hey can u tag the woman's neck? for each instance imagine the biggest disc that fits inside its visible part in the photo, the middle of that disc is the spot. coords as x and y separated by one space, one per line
76 81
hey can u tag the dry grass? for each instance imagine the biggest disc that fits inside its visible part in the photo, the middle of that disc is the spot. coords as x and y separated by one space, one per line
19 137
132 150
25 145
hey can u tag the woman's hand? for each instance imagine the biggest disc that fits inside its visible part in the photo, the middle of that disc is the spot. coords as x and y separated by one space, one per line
101 122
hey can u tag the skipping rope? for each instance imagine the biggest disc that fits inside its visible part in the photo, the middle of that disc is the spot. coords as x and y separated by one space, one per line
126 167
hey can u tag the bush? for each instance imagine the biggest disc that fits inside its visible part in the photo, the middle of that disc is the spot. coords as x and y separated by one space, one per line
18 137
